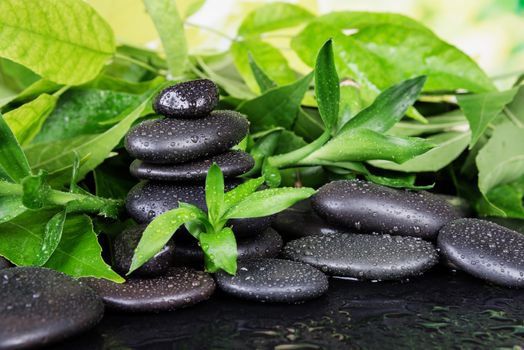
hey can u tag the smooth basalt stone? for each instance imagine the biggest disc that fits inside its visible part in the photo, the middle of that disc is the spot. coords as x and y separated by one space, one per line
264 245
364 256
179 287
274 280
147 200
173 141
485 250
124 247
366 208
190 99
301 221
39 306
4 263
232 163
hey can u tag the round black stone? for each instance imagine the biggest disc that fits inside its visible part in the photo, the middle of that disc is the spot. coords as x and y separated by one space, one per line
485 250
124 247
368 257
179 287
301 221
366 207
232 163
274 280
39 306
264 245
4 263
173 141
147 200
190 99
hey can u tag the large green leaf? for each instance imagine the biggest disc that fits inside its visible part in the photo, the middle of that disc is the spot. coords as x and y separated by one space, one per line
448 147
481 109
13 162
364 144
272 17
269 58
170 28
27 120
277 107
327 88
64 41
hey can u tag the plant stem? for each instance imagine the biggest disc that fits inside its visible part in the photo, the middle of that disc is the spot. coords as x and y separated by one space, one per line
438 98
211 30
138 63
294 157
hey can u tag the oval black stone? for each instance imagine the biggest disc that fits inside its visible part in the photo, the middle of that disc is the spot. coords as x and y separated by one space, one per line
232 163
274 280
147 200
301 221
190 99
39 306
366 207
179 287
364 256
4 263
124 247
264 245
173 141
485 250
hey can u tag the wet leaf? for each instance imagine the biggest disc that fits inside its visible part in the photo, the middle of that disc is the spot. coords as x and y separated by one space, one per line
220 250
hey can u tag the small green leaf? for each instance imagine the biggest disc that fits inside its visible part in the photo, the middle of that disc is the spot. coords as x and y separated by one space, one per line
241 192
36 191
481 109
264 147
275 16
277 107
364 144
170 28
158 232
264 82
268 202
327 85
271 175
52 237
220 251
64 41
214 193
27 120
389 107
13 162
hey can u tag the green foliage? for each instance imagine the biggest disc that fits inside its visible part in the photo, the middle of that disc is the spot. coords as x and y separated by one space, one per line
327 86
13 163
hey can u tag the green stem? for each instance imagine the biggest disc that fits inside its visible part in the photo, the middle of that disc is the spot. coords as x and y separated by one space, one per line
138 63
293 158
211 30
438 98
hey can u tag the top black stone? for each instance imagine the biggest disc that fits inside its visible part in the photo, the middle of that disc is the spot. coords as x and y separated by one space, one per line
190 99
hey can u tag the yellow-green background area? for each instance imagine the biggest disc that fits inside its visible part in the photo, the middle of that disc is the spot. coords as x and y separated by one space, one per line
491 31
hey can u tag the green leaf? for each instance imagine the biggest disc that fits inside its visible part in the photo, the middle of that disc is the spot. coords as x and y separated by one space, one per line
264 82
507 198
350 102
268 202
220 250
64 41
52 237
241 192
170 28
10 207
481 109
112 179
13 163
327 86
214 193
446 122
267 56
449 146
389 107
364 144
158 232
27 120
188 8
397 181
36 190
271 174
277 107
265 146
272 17
31 92
83 112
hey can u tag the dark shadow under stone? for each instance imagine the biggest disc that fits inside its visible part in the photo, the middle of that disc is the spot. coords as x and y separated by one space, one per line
4 263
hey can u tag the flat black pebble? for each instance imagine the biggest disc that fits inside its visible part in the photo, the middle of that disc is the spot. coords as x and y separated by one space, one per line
364 256
4 263
232 163
190 99
124 247
39 306
301 221
148 199
264 245
366 207
485 250
179 287
173 141
274 280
